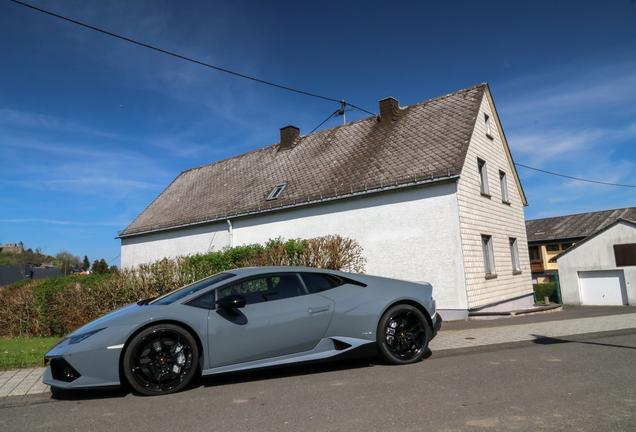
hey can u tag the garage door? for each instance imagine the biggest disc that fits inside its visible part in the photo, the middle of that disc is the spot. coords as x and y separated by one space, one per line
603 288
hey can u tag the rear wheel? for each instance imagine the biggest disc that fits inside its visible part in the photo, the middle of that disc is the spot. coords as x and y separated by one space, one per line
403 335
162 359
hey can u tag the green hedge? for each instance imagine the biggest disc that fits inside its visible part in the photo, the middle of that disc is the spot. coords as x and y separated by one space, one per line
546 289
53 307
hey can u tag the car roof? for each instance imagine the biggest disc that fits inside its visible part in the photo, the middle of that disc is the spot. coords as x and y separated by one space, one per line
249 271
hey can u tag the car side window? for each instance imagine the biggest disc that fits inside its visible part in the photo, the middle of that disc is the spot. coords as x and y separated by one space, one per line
266 288
316 283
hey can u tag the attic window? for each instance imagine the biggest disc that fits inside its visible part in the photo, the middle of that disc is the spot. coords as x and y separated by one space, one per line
278 189
487 124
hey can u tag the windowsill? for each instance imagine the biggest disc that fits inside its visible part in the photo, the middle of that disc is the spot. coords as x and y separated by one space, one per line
486 194
491 276
506 202
490 136
516 272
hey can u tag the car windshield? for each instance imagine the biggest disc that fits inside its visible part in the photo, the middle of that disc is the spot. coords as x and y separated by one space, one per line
180 293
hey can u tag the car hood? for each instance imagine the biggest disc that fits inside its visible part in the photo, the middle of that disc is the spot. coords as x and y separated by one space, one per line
122 315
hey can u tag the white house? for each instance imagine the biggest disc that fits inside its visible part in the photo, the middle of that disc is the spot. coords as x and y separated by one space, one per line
430 192
601 270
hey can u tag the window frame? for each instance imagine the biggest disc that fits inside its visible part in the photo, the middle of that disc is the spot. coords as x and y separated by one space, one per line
514 255
489 256
503 182
488 126
276 192
482 169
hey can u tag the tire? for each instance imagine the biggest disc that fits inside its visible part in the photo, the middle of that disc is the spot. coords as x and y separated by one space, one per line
403 335
161 359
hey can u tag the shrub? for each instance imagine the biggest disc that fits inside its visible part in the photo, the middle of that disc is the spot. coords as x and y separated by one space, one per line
546 289
54 307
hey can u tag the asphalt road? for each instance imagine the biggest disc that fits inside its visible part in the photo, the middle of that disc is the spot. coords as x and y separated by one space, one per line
585 383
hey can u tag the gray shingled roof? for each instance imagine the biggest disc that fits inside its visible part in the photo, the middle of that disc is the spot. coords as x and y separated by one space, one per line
575 226
425 142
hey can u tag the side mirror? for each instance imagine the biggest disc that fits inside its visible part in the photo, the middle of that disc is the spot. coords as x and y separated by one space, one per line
232 301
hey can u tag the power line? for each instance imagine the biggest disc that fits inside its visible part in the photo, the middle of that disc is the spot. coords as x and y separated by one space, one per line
333 114
114 259
576 178
185 58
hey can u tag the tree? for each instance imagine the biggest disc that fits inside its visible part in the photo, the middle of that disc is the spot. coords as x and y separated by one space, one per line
66 261
86 263
100 267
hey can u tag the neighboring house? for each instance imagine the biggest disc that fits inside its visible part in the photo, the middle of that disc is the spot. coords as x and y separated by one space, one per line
601 269
10 274
429 191
548 237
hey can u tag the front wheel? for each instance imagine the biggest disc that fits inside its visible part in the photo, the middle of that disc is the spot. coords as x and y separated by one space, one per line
403 335
162 359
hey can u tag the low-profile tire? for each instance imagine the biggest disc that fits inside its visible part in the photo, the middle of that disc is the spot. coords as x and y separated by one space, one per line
403 335
161 359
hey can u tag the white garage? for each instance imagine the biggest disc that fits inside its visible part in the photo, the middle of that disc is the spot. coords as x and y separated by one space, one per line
601 269
603 288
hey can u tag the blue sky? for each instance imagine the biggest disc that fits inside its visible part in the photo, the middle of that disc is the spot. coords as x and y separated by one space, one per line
93 128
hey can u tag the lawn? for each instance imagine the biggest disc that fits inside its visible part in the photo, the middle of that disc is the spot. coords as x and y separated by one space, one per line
24 352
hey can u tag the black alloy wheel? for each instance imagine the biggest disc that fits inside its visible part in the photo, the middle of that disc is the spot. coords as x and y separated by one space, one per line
403 335
162 359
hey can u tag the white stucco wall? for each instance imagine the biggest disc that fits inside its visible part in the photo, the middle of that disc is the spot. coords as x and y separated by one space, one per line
410 234
595 254
173 243
489 215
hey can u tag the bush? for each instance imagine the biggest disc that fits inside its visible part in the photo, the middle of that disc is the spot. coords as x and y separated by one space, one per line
546 289
54 307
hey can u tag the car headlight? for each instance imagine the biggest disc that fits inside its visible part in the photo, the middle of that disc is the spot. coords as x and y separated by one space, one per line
80 337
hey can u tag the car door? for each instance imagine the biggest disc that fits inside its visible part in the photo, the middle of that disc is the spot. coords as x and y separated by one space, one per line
280 317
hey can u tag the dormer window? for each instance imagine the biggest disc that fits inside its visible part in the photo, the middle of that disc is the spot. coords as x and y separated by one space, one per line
278 189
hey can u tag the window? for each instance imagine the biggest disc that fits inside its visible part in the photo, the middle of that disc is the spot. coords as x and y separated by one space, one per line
625 254
487 124
278 190
566 246
316 283
489 256
552 247
514 255
483 176
504 186
180 293
266 288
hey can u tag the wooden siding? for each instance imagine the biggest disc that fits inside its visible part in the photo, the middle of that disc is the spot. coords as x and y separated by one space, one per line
483 215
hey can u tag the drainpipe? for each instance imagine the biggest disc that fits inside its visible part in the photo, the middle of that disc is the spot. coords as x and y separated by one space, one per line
229 225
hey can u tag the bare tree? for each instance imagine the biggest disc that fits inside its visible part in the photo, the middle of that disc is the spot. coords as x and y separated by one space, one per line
66 261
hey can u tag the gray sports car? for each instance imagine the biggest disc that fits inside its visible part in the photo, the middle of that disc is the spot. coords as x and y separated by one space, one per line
244 319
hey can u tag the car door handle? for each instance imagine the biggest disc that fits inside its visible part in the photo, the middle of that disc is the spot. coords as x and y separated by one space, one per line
319 309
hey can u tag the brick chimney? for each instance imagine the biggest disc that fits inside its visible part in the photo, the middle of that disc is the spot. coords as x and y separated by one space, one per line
389 110
289 135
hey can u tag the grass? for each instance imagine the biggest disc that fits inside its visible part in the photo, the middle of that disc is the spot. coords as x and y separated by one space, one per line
24 352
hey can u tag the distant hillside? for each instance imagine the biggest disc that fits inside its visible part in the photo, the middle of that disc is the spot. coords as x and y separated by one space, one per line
26 257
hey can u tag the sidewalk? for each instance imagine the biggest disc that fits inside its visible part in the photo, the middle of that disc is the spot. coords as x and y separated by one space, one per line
471 334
